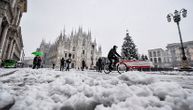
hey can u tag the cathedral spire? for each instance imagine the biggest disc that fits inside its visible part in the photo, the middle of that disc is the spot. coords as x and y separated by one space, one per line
80 29
60 33
89 35
43 41
95 41
64 31
60 37
72 33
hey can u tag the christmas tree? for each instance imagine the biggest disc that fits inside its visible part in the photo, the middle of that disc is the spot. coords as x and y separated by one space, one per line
129 50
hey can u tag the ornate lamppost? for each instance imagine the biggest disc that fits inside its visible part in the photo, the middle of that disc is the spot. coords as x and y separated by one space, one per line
177 18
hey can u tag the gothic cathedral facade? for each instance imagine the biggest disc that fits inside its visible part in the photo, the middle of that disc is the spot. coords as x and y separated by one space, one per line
78 44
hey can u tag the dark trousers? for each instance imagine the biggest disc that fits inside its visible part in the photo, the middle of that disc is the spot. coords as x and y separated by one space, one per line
61 67
113 61
36 66
100 68
68 67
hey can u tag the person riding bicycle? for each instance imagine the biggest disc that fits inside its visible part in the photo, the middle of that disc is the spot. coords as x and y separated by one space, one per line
113 55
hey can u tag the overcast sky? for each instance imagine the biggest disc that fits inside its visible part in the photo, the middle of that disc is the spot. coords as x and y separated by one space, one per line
108 21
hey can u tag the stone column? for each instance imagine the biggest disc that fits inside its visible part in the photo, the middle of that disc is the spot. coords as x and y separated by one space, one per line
6 45
13 50
1 20
10 49
3 36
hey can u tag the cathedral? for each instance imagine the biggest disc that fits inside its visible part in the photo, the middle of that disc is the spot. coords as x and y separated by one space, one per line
78 44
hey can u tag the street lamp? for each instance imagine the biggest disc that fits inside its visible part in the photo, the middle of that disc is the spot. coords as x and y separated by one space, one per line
177 17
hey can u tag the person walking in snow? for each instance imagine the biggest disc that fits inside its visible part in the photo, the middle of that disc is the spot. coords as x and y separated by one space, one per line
35 62
39 61
68 61
53 65
113 56
83 65
62 64
99 65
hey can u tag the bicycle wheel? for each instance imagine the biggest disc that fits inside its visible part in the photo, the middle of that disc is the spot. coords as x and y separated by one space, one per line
106 69
121 68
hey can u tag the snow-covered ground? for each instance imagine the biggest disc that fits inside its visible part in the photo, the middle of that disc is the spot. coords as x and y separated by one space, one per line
46 89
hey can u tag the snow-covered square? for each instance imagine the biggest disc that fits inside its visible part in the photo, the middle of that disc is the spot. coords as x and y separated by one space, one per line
46 89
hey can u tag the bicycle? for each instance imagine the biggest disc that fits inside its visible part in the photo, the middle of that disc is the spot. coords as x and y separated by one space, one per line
120 67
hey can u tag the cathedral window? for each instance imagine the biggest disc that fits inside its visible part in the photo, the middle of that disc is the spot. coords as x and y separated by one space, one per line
73 49
83 52
73 56
93 46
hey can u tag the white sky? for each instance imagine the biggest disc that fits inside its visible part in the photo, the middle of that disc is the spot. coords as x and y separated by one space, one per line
108 21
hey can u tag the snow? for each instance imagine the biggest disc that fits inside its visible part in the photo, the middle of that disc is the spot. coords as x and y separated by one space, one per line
5 99
5 71
46 89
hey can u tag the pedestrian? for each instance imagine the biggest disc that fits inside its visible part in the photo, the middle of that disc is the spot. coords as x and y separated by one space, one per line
53 65
99 65
39 61
68 61
35 62
62 64
83 65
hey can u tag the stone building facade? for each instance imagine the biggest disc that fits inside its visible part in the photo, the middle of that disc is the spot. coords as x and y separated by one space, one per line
171 57
11 43
78 44
159 57
176 53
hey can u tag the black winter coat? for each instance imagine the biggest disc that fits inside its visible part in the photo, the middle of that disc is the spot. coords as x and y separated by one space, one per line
113 54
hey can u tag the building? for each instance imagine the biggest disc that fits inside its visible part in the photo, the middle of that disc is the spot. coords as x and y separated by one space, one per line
11 42
44 47
78 44
171 57
176 53
159 57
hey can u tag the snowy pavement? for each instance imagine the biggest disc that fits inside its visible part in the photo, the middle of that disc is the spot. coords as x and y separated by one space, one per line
46 89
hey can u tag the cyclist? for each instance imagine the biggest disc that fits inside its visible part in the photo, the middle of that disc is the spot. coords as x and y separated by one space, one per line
113 55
